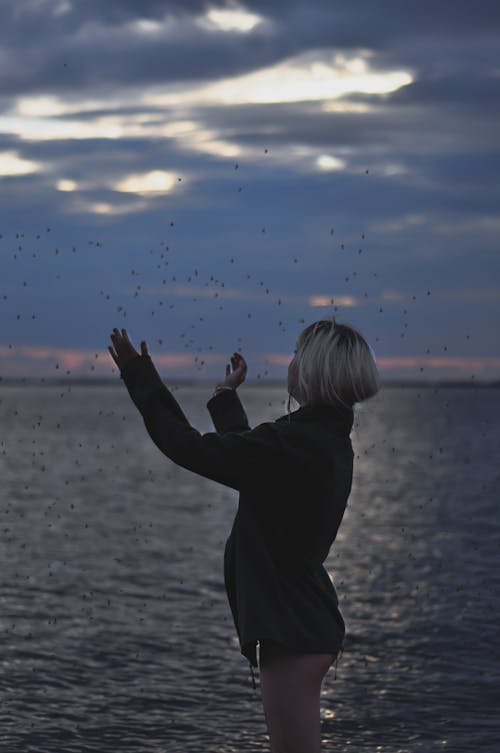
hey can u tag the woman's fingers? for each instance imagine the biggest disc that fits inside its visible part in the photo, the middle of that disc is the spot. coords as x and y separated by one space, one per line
238 363
115 336
126 337
117 351
126 342
113 355
121 340
123 349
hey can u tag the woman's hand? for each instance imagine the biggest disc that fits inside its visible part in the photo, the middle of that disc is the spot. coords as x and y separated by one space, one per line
124 351
239 371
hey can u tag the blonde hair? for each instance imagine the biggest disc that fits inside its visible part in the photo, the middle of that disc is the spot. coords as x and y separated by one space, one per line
333 364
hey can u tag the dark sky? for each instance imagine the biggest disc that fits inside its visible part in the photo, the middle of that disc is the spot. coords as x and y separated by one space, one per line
214 177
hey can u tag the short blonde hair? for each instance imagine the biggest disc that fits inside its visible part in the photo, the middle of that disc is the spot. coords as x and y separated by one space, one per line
334 364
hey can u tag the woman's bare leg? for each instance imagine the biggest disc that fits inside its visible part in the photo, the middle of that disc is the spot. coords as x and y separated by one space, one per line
290 685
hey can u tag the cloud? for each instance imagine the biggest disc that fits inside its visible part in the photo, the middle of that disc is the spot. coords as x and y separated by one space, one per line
230 19
50 361
99 46
12 164
153 182
283 120
57 361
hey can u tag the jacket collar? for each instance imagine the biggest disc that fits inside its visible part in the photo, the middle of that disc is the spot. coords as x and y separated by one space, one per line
340 414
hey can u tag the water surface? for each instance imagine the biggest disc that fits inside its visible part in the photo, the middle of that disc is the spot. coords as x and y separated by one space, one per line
114 626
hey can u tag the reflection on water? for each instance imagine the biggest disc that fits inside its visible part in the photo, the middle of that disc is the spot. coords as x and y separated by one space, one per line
115 630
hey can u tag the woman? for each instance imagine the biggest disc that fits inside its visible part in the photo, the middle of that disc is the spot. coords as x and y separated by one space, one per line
294 477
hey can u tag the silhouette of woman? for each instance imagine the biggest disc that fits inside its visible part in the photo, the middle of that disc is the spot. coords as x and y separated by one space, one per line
294 477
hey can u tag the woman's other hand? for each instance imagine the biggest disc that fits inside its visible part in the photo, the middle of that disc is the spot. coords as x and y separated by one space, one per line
239 372
124 351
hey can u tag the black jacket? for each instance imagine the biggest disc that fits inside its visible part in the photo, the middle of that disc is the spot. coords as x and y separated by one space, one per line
294 477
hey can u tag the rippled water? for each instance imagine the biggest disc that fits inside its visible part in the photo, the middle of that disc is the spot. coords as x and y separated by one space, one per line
114 626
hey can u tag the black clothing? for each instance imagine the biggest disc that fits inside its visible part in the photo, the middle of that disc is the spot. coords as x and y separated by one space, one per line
294 476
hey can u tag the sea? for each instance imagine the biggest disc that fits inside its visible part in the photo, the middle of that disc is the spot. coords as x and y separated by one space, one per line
115 631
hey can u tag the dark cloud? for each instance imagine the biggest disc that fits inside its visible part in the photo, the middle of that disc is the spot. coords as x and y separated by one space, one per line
129 60
441 131
89 48
406 127
10 141
445 17
465 90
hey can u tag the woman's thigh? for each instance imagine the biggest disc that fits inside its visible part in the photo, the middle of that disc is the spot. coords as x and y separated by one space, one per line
291 688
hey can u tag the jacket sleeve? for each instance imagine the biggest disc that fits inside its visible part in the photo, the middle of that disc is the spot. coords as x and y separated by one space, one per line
227 412
236 459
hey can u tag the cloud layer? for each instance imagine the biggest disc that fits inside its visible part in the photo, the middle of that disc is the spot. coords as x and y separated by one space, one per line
342 156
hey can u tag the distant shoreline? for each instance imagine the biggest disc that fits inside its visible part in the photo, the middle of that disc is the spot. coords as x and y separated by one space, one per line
210 383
